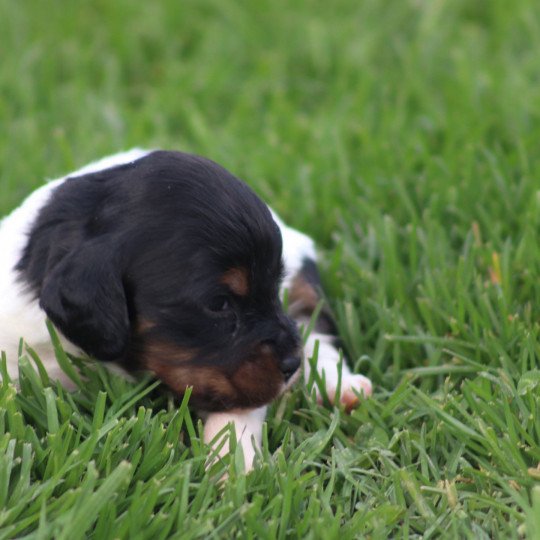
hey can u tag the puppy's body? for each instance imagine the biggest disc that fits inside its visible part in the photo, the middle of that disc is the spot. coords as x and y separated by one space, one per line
165 262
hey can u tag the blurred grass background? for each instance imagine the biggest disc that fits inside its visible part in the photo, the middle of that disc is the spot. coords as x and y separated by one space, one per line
403 136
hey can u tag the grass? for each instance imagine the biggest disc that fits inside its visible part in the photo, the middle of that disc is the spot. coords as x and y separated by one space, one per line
403 136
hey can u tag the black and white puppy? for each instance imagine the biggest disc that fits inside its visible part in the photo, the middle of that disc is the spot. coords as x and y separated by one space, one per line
165 262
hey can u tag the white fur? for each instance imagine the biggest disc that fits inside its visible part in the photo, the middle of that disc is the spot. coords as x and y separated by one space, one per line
296 247
21 316
247 426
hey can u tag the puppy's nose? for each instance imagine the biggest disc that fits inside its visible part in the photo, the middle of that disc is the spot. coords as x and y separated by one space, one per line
289 366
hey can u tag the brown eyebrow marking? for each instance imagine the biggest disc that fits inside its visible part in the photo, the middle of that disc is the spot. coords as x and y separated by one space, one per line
237 280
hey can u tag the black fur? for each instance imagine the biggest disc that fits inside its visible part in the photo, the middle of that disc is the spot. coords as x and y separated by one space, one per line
144 245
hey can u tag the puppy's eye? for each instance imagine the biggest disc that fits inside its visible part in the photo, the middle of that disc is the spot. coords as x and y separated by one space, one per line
219 304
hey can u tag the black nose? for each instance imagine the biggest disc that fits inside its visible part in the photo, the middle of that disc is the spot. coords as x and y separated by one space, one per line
289 366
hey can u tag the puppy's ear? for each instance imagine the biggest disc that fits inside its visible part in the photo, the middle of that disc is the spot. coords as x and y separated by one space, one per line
84 297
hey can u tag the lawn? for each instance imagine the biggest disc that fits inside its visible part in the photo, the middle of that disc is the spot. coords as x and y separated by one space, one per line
403 135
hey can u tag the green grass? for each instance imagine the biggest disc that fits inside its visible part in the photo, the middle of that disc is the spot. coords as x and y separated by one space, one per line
402 135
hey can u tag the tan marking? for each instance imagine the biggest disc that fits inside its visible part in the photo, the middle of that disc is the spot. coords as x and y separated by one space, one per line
145 324
259 381
203 380
158 352
303 298
237 280
166 361
256 381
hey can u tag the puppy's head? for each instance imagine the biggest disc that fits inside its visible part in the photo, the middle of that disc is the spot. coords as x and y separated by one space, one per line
176 269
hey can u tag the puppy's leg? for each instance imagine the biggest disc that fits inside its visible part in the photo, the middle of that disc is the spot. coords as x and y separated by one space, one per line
247 425
303 284
304 297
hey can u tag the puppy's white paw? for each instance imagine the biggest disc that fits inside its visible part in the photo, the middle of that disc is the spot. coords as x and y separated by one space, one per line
351 385
329 365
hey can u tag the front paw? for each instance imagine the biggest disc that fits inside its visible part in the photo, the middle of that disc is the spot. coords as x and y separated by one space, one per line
353 387
333 372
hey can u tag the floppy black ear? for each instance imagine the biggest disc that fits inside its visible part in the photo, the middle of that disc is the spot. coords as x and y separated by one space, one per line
84 298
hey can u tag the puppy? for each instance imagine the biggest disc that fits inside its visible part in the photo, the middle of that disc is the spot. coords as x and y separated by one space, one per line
165 262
